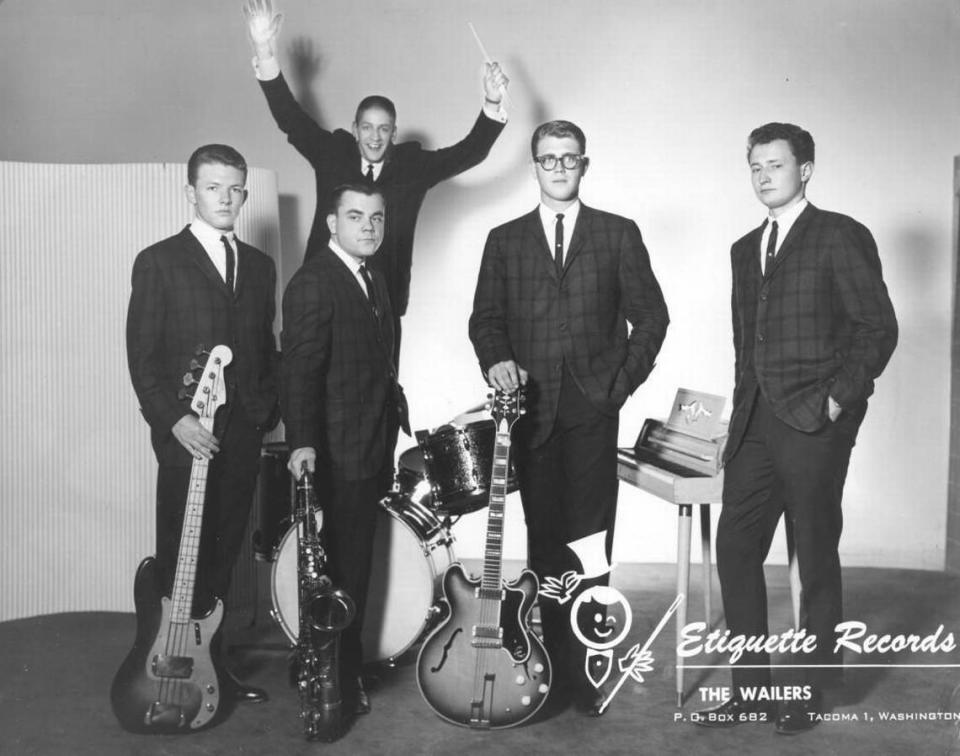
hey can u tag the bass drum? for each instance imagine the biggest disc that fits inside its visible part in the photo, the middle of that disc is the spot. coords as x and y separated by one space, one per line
411 550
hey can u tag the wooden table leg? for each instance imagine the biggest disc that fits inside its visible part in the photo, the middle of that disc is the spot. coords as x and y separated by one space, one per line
683 583
707 564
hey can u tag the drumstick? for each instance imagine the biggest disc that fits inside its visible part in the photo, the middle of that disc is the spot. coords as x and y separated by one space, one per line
486 56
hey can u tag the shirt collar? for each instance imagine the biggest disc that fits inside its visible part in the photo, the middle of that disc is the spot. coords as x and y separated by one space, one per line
207 234
345 257
377 167
548 216
787 218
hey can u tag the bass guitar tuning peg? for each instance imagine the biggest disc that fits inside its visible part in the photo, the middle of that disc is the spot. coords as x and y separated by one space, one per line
188 379
200 350
195 364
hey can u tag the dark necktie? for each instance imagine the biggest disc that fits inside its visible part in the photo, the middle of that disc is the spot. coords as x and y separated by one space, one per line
558 244
368 282
369 174
771 250
231 266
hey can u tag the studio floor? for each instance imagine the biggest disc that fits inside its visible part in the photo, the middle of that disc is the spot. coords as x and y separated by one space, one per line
55 674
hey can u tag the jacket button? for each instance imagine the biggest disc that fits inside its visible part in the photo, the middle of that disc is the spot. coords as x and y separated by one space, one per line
760 337
763 297
563 325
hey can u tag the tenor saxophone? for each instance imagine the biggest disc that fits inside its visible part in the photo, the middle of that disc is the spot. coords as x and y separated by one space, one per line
324 613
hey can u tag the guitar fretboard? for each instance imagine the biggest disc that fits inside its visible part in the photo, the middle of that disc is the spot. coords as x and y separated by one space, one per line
186 575
493 550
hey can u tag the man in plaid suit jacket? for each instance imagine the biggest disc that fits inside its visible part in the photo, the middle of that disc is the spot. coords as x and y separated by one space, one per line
404 171
189 290
813 327
552 315
340 399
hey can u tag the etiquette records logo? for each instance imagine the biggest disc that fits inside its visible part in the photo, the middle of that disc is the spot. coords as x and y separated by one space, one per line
600 617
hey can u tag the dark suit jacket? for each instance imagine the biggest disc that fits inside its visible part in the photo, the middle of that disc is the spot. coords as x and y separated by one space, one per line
819 324
408 173
339 391
523 310
180 301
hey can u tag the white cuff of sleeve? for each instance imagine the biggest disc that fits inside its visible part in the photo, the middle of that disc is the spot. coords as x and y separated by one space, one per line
266 68
495 111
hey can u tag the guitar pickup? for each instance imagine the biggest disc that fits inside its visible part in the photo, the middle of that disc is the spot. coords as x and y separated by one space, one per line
177 667
487 636
493 594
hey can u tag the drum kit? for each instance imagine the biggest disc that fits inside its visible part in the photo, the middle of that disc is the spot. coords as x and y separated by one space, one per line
446 476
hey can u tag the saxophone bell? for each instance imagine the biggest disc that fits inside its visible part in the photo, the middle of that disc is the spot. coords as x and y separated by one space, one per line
331 611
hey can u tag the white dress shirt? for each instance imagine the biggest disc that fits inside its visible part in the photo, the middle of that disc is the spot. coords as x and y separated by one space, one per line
209 238
548 217
785 222
352 265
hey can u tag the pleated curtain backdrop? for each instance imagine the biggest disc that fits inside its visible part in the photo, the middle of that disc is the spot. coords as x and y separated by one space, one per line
77 473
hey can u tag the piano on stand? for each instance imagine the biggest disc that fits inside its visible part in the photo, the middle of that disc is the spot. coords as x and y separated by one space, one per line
679 460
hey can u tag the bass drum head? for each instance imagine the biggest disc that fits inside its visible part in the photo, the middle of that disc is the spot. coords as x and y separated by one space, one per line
403 587
283 586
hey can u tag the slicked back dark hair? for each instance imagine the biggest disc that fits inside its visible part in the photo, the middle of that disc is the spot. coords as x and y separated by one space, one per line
215 153
800 141
360 187
375 101
559 129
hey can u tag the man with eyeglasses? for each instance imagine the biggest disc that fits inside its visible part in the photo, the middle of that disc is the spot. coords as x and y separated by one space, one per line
556 291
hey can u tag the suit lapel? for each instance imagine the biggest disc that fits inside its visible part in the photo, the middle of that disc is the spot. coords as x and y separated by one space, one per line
581 233
348 280
350 284
750 267
790 243
244 261
198 255
535 239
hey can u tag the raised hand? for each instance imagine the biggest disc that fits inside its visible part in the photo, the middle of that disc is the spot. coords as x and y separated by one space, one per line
494 82
263 26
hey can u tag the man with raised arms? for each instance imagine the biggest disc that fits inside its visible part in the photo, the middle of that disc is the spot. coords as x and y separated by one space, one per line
403 172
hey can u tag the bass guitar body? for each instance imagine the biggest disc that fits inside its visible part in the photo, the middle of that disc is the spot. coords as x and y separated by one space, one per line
483 667
168 682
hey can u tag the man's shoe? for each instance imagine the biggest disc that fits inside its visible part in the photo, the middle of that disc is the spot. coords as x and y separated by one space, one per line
240 692
358 702
590 702
794 717
735 711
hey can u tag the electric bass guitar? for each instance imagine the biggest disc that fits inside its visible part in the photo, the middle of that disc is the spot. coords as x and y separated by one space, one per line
168 682
483 667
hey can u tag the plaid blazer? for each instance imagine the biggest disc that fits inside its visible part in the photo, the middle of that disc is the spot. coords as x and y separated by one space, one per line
524 311
179 301
408 173
339 390
820 322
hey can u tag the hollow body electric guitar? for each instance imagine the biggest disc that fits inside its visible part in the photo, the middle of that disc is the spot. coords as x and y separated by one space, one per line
483 667
168 683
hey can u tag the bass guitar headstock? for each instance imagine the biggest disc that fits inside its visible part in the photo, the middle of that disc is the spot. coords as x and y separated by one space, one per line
207 379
